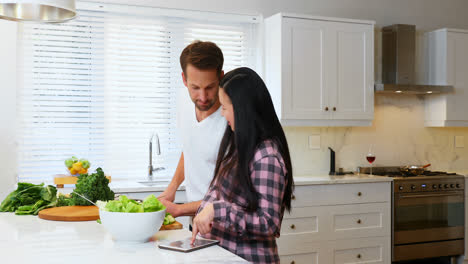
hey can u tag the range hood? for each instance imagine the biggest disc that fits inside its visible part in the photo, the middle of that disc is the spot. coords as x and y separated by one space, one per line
398 60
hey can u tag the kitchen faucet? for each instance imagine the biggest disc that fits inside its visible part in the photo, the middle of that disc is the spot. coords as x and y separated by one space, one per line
158 152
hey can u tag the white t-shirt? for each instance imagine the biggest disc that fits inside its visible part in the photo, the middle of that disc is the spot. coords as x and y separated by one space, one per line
200 145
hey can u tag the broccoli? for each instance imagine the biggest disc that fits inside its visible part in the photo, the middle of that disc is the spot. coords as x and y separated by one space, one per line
93 186
63 200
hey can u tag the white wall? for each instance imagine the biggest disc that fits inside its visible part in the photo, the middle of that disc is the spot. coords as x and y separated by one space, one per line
398 137
7 106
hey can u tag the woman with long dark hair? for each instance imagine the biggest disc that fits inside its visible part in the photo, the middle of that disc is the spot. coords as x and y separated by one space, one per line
253 180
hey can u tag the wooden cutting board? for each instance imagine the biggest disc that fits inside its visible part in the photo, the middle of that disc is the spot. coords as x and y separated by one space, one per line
70 213
173 226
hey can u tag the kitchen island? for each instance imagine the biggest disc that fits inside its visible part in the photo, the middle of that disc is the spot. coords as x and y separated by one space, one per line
29 239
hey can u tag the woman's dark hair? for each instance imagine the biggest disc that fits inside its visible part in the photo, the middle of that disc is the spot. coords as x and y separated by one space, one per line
255 121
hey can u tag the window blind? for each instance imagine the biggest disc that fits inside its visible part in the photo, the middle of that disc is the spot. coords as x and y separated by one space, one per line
99 86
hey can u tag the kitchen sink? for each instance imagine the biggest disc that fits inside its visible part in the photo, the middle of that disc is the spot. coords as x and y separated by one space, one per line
154 182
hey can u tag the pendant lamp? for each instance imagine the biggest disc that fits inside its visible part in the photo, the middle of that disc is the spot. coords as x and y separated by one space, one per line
38 10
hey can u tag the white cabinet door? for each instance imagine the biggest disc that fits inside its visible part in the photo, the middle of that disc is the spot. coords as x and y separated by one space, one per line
319 70
457 70
448 65
306 61
353 75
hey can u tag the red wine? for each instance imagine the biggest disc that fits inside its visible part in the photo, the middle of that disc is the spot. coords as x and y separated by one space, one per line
370 159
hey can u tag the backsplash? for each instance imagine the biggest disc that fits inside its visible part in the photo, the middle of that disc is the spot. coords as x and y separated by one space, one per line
398 137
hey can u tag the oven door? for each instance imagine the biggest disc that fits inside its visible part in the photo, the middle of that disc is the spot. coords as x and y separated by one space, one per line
428 217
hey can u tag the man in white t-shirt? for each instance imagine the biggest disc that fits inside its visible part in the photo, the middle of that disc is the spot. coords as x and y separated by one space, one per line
201 127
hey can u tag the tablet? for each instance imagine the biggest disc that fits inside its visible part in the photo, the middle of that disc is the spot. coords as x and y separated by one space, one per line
185 246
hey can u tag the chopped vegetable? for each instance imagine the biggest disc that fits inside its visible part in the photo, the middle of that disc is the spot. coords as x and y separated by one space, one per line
152 204
124 204
168 219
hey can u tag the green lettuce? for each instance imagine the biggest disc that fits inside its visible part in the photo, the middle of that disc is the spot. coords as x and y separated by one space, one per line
126 205
152 204
133 208
168 219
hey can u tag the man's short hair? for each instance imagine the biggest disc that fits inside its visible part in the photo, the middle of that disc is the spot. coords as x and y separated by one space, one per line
203 55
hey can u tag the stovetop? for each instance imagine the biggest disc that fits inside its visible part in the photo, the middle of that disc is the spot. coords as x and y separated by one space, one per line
395 172
402 174
429 181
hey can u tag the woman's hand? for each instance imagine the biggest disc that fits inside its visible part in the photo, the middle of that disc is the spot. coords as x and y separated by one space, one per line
203 221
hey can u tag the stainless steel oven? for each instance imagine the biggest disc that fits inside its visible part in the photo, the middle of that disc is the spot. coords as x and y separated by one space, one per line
428 217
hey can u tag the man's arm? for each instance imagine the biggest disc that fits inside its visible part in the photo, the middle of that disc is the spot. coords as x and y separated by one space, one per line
177 179
188 209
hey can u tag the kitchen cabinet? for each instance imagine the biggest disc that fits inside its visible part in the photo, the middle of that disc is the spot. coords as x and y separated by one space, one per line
338 223
320 71
447 64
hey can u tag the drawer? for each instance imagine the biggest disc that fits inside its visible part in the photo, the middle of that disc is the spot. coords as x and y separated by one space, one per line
360 220
299 225
375 250
331 222
333 194
359 255
308 258
365 250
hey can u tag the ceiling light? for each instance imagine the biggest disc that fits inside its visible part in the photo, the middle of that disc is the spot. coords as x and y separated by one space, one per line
39 11
429 92
397 91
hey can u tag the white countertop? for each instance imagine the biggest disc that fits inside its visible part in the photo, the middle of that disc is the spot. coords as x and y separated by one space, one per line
339 179
29 239
126 186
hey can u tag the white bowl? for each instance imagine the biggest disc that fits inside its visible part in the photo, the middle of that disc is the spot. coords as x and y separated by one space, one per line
132 227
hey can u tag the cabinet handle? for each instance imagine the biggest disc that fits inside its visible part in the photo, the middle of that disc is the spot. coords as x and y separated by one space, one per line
359 194
293 262
293 226
358 256
334 108
359 221
293 197
326 108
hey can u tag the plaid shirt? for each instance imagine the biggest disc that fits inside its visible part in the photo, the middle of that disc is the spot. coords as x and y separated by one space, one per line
251 235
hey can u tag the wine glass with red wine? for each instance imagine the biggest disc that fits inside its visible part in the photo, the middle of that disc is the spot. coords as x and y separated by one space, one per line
370 158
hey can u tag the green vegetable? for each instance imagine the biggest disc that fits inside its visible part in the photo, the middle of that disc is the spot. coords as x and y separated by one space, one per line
168 219
93 186
29 199
126 205
152 204
29 209
63 200
133 208
114 206
124 199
